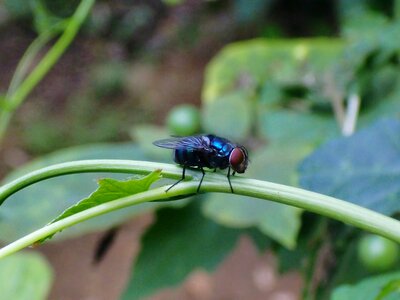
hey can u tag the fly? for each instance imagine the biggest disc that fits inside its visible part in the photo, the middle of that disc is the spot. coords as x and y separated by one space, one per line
206 151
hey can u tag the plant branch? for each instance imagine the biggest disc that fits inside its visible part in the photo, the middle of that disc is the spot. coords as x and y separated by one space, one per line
30 54
18 94
328 206
90 166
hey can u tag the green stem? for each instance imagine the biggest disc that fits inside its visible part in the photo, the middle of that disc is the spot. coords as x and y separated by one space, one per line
30 54
86 166
327 206
45 64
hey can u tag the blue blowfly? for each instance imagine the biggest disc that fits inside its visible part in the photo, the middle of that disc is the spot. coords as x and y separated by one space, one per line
206 151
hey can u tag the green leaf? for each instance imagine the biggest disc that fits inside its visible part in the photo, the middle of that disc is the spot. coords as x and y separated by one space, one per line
363 169
236 120
145 135
180 241
249 64
288 126
25 276
369 289
278 221
109 190
396 8
383 107
36 205
393 287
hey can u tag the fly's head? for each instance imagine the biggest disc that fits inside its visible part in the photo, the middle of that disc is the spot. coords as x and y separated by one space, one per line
239 159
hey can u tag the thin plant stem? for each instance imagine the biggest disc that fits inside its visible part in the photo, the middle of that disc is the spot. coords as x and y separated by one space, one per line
30 54
44 66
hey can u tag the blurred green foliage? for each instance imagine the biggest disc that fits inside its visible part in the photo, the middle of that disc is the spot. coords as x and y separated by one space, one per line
275 95
25 276
374 288
369 168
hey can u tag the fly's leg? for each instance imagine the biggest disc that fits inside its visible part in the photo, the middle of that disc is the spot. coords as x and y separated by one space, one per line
183 177
229 178
201 180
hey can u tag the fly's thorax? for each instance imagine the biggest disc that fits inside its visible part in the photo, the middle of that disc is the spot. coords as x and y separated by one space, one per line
222 146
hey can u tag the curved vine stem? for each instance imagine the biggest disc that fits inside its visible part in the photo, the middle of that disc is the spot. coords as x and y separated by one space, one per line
19 88
328 206
86 166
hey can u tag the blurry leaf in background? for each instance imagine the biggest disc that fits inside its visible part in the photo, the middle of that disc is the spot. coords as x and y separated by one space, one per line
381 84
179 242
384 100
109 190
247 65
363 169
390 289
25 276
370 289
369 31
271 94
277 221
231 116
36 205
288 126
145 135
396 9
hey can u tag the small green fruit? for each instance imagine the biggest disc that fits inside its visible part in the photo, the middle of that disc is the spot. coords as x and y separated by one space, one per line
376 253
184 120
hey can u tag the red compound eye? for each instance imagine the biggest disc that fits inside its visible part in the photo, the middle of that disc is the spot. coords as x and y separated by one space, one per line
237 157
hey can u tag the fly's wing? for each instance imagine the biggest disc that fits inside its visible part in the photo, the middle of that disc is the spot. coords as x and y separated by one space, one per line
196 142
